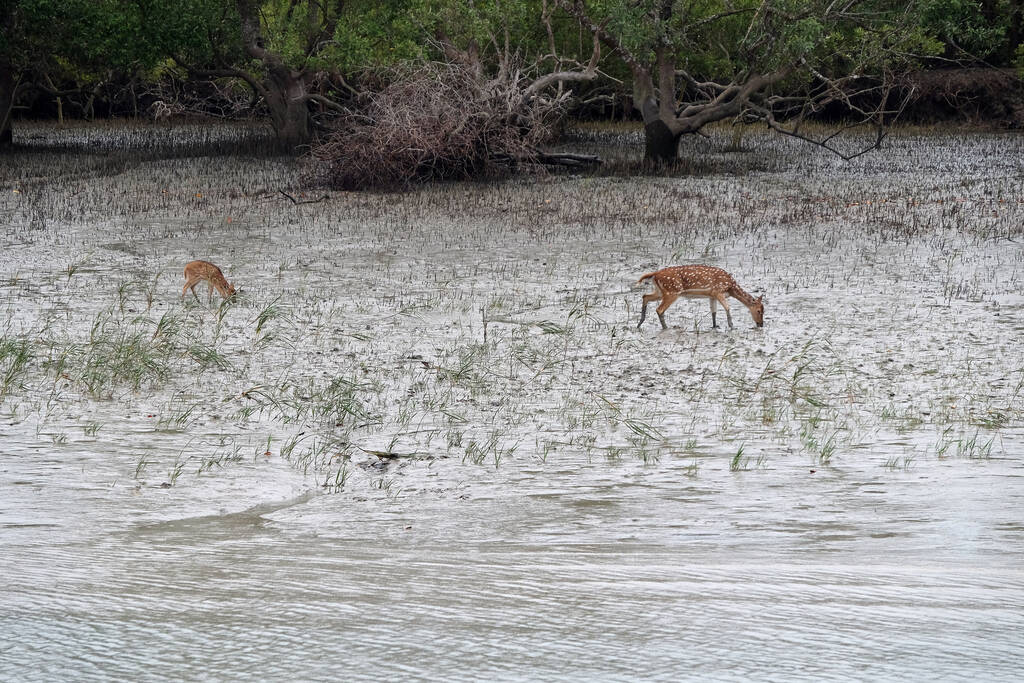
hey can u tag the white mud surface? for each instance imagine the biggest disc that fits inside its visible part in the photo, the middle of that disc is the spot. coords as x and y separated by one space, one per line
428 441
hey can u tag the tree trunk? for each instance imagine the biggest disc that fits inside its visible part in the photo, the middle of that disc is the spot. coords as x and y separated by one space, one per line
289 110
284 89
6 104
661 145
9 32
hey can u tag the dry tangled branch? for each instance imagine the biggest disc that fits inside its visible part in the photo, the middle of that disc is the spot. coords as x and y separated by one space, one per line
436 121
173 96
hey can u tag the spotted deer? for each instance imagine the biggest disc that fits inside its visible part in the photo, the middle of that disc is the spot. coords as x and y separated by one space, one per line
697 281
197 271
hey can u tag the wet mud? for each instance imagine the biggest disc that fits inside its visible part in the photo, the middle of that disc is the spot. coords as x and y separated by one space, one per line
426 439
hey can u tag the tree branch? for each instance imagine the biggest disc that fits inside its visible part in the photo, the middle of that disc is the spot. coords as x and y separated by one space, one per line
730 102
211 74
324 101
587 74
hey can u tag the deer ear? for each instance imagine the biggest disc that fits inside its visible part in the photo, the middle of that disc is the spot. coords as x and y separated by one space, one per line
760 298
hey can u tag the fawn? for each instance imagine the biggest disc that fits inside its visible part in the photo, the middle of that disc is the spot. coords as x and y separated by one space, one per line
197 271
696 281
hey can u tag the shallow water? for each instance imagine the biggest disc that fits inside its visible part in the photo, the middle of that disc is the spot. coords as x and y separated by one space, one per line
837 495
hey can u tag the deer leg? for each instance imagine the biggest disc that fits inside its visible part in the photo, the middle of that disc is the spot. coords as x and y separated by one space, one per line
666 301
209 294
714 312
643 311
728 313
190 284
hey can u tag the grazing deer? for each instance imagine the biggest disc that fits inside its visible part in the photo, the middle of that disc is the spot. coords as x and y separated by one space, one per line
197 271
696 281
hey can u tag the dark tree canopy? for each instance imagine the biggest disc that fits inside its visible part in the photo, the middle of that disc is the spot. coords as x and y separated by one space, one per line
682 63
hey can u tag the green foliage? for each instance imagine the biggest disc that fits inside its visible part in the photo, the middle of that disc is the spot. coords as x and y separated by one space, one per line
376 34
716 39
384 34
964 28
200 31
84 40
79 37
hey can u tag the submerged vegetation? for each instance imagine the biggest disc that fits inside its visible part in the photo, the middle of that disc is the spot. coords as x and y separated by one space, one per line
493 326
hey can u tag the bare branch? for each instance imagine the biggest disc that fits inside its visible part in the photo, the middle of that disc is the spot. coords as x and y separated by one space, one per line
826 143
303 201
198 73
587 74
326 102
830 91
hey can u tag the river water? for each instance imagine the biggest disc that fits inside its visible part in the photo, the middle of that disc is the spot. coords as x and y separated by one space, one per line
784 575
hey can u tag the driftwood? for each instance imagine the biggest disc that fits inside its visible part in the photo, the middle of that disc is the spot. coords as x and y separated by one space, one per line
537 157
303 201
568 159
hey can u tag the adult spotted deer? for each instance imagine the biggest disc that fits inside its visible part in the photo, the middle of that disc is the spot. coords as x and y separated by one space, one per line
697 281
197 271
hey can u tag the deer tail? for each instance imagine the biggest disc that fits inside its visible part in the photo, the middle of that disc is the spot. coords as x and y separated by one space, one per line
645 277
